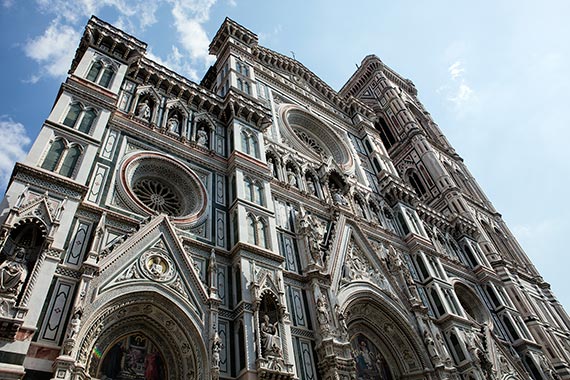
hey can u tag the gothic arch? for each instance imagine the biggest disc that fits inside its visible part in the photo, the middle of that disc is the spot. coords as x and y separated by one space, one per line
172 330
374 316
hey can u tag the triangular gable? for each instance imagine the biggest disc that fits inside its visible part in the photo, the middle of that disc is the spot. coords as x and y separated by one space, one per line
153 256
40 208
358 261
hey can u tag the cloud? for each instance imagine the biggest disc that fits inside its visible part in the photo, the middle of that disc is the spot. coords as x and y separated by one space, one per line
175 61
14 146
74 11
189 17
457 90
53 50
456 70
7 3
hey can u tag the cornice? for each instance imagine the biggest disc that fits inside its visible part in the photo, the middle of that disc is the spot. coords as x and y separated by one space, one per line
48 180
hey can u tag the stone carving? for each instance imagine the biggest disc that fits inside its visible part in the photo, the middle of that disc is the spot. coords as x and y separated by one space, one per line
217 346
342 326
314 232
13 272
173 124
431 348
338 197
202 137
143 110
358 267
396 265
547 369
291 177
157 266
270 339
323 316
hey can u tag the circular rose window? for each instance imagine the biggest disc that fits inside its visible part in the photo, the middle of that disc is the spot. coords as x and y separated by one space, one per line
158 184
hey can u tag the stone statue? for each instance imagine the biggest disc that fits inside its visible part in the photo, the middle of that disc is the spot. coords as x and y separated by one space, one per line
217 346
143 110
271 166
155 266
173 124
270 341
13 272
323 313
338 198
430 345
311 186
342 327
315 232
291 177
74 325
202 137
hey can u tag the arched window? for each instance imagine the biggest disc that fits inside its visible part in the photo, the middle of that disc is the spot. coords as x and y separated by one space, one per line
251 230
62 158
80 117
240 84
416 182
54 155
386 134
70 160
101 73
94 71
246 88
249 143
262 238
72 115
257 231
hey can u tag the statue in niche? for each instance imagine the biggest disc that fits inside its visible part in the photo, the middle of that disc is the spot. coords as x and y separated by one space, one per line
202 137
315 232
311 189
143 110
270 340
173 124
342 326
217 346
13 273
338 198
74 325
432 350
271 167
291 177
323 313
446 355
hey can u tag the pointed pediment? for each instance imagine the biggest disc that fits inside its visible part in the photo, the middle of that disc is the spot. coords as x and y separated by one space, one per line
41 208
361 263
152 257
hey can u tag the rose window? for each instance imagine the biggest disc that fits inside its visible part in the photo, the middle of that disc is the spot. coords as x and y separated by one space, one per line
158 196
310 141
152 182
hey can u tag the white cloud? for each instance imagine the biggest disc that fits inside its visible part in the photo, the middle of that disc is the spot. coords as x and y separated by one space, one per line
14 146
7 3
456 70
188 19
175 61
53 50
457 90
74 11
462 94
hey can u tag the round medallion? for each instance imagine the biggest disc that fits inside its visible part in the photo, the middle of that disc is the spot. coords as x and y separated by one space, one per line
154 183
157 266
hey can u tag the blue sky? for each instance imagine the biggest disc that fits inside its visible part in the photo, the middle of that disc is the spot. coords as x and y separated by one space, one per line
493 74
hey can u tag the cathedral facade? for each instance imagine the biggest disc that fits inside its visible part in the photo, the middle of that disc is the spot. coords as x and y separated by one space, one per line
258 225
